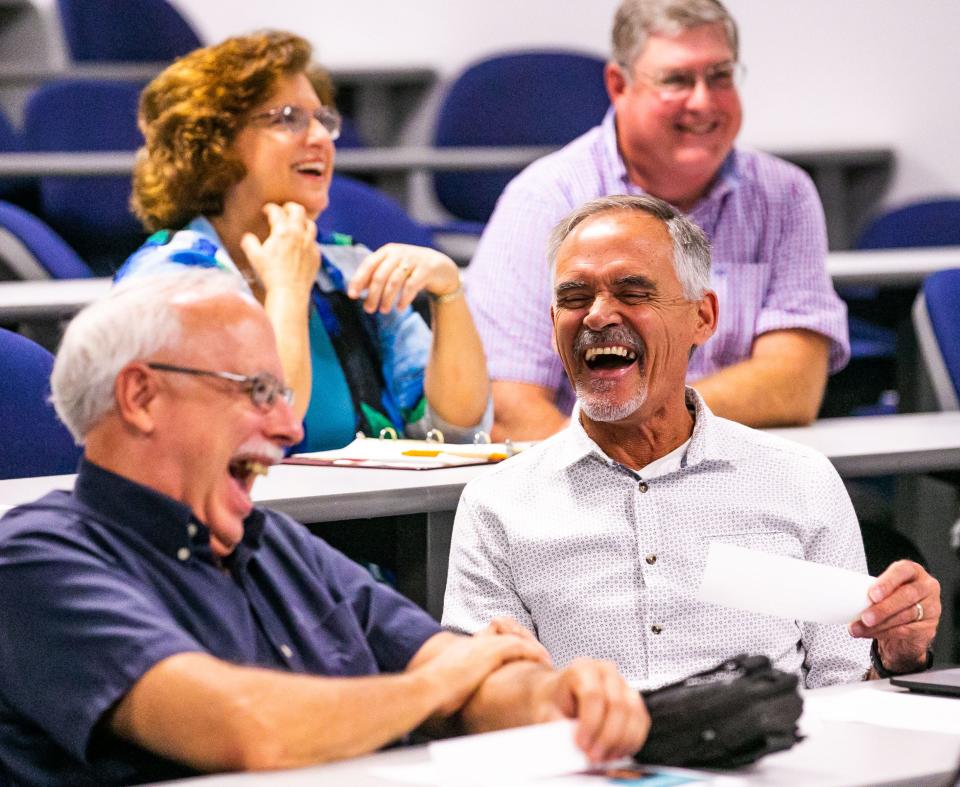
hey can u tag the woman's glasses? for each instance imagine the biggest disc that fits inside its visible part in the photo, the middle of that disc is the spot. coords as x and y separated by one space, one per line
296 119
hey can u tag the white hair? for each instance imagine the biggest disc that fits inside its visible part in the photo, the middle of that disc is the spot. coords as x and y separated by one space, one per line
138 317
691 249
636 20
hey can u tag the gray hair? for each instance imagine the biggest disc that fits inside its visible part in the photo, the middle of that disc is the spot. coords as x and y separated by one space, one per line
636 20
691 249
134 320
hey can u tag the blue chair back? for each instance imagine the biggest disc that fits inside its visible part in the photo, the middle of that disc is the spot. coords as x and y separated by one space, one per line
926 223
29 249
350 138
33 441
92 213
936 318
369 216
19 190
125 30
520 98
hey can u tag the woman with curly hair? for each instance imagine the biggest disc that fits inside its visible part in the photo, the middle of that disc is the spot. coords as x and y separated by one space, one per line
235 170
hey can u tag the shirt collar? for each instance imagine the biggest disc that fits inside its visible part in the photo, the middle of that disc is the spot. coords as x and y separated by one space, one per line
728 176
167 524
703 446
201 226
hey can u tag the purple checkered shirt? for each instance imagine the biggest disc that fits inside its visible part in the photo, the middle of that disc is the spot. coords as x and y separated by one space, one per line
769 245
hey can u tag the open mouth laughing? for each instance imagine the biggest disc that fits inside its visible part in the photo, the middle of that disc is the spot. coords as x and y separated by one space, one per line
610 351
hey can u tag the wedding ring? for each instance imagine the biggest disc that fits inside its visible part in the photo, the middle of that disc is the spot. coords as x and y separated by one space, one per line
405 269
919 613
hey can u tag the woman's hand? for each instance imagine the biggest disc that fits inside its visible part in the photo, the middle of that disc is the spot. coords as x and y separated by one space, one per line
288 260
399 268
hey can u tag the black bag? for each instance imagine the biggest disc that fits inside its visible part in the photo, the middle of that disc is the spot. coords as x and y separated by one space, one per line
725 717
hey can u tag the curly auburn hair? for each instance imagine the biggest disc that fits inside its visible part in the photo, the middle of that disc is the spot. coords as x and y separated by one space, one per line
191 113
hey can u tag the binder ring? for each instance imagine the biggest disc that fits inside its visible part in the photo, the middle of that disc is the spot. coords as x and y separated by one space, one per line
434 436
388 433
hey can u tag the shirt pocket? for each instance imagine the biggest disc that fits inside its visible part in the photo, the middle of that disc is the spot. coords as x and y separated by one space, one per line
774 542
741 289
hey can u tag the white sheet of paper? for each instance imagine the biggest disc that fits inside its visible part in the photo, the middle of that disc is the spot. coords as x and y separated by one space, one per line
511 757
782 586
903 710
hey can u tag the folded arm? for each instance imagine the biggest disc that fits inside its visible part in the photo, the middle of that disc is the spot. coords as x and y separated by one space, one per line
212 715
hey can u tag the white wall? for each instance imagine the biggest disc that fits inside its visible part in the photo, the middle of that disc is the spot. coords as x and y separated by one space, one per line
821 73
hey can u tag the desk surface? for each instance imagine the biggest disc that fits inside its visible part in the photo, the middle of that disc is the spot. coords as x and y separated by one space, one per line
884 444
385 159
57 299
879 445
316 494
835 754
890 267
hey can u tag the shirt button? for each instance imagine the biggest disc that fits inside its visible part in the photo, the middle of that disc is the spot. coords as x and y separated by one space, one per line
656 629
191 530
286 651
651 559
643 486
183 553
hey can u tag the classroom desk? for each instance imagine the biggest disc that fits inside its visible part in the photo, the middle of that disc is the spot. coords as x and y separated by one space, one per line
834 754
908 443
56 299
881 445
364 161
48 299
849 181
890 268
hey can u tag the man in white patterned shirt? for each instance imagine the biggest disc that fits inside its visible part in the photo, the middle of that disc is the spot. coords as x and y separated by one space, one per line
596 538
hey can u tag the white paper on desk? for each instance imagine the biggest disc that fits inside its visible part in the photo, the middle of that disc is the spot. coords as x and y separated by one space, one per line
901 709
782 586
513 757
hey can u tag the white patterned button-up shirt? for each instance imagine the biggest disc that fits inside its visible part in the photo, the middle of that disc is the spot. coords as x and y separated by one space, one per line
599 561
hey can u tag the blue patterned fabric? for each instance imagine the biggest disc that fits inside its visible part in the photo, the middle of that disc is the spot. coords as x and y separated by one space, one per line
400 341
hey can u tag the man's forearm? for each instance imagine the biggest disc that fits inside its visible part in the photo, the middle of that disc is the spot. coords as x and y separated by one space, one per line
523 411
781 384
512 696
199 710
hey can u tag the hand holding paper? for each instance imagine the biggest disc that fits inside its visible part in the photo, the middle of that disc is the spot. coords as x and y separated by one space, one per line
903 617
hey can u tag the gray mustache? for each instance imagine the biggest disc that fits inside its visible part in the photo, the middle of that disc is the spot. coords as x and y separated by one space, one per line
615 334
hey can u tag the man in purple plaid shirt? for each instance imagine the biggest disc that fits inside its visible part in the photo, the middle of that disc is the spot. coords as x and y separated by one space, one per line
670 131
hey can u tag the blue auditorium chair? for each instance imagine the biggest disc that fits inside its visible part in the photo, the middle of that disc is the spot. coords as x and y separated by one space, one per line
125 30
924 223
349 138
369 216
936 319
91 213
33 441
518 98
22 191
29 249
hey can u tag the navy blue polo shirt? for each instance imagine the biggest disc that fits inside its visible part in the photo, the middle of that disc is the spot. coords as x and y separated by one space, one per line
99 585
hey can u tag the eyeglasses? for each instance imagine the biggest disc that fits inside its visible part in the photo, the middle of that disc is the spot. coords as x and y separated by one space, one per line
263 388
679 85
296 119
